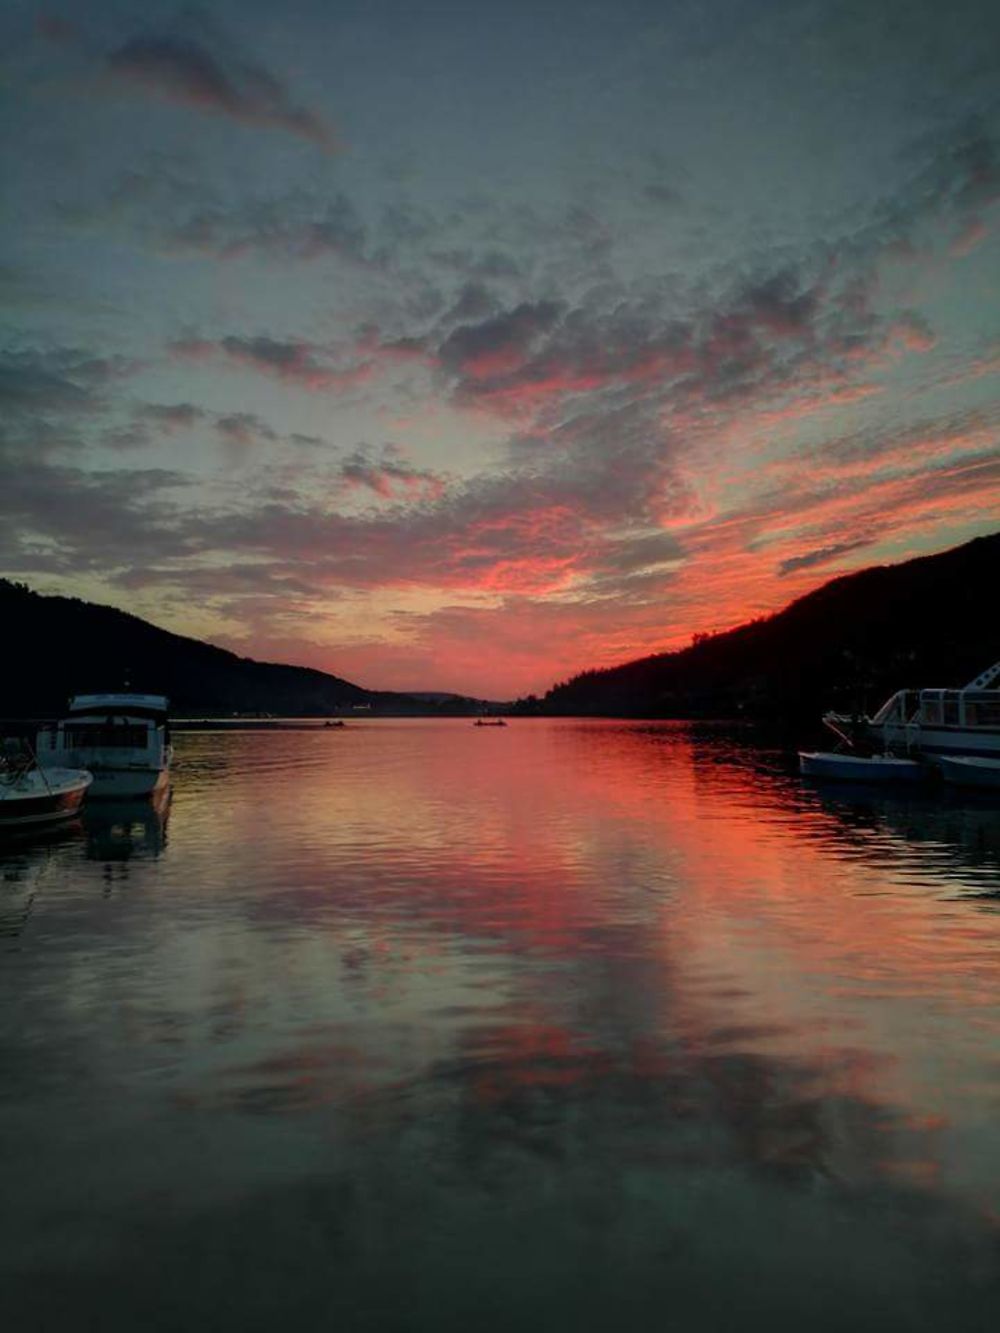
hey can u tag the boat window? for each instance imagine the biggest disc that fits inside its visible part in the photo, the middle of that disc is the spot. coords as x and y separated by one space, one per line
931 709
951 716
101 735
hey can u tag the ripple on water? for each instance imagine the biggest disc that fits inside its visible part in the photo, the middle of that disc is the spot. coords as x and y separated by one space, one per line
574 1023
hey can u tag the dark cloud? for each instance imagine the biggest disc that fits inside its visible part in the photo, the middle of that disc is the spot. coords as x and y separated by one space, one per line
499 345
823 556
57 380
296 362
291 227
766 329
951 175
49 398
63 519
183 69
388 475
169 417
244 429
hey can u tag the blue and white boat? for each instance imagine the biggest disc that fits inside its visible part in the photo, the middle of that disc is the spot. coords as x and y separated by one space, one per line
970 770
932 721
830 764
122 739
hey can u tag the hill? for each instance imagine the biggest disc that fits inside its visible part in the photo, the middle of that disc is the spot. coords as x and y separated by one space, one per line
929 621
58 646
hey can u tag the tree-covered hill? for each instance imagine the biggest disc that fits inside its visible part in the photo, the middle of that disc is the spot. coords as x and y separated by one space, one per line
58 646
929 621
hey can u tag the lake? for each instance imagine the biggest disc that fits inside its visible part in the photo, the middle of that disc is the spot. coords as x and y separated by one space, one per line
564 1026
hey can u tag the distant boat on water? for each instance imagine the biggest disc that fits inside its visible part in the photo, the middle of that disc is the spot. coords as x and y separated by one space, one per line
489 722
122 739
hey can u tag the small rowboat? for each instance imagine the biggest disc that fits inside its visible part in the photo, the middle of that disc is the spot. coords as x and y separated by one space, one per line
970 770
860 768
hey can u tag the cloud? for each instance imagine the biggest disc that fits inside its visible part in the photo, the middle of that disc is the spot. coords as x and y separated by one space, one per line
290 227
389 476
823 556
56 380
49 398
170 417
295 362
184 70
499 346
244 429
69 520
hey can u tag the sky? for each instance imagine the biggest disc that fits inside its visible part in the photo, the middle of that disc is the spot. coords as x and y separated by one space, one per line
466 346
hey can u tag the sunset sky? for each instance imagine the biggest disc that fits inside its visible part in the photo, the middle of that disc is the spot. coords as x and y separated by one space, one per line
463 346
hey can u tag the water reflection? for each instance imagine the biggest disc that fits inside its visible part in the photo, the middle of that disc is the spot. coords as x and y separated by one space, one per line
413 1026
121 830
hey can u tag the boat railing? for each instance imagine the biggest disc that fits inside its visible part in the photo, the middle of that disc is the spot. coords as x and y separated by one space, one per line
17 760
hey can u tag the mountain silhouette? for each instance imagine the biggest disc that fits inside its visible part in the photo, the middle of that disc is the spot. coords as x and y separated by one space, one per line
850 643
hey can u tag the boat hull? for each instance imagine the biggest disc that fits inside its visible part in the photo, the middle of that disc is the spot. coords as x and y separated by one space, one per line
971 771
123 783
35 803
938 740
859 768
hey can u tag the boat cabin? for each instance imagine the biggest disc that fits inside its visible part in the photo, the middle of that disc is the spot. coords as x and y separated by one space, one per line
937 708
110 730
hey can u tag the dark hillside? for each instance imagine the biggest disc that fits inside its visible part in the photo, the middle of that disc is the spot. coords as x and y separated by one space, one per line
57 646
930 621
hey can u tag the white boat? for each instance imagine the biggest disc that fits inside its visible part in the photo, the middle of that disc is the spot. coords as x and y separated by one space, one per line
123 739
860 768
31 795
933 721
970 770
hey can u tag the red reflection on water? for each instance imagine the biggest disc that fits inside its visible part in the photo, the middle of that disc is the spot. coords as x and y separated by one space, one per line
702 908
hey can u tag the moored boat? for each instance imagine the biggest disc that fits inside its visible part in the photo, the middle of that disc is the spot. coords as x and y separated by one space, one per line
860 768
970 770
122 739
932 721
31 795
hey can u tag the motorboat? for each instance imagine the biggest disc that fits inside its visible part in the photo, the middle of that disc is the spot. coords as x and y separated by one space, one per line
845 767
932 721
31 795
970 770
122 739
487 722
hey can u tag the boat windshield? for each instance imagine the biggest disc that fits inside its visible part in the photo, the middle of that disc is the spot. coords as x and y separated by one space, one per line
101 735
900 708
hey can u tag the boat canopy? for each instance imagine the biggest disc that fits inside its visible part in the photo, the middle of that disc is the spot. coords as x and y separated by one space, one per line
950 708
124 704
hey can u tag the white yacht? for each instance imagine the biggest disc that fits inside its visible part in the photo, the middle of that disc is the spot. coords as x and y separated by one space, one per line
932 721
122 739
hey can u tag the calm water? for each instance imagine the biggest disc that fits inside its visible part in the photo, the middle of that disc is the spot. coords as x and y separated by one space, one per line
568 1026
